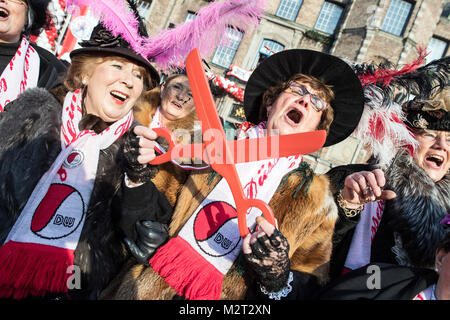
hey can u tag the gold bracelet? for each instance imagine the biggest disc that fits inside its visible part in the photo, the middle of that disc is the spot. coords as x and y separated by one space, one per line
349 213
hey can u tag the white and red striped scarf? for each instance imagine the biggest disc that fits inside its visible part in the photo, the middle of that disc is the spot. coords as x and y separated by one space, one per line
21 73
157 123
40 247
195 262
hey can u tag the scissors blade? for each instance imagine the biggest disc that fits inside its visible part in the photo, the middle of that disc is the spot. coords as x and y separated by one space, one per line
254 149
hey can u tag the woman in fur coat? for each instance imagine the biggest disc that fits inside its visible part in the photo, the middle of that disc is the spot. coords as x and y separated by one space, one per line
203 259
60 168
393 216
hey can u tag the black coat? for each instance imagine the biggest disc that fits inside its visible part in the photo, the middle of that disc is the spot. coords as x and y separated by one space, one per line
413 216
396 283
29 143
51 69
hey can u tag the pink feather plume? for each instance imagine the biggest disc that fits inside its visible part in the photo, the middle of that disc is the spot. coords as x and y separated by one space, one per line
205 32
116 16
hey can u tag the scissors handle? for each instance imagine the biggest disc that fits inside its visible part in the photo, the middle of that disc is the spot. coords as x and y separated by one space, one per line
242 206
165 157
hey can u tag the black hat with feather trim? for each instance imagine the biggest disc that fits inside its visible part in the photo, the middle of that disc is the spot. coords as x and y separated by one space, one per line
102 40
348 102
430 108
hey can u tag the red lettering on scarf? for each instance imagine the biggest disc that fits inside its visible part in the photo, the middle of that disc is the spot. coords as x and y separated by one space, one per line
72 131
124 126
376 219
293 161
263 174
251 189
3 85
62 174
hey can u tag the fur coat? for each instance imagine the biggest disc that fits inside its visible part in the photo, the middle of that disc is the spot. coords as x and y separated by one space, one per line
169 178
409 231
306 213
29 143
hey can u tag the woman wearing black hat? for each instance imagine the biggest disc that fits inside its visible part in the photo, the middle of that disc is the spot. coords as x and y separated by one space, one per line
61 156
292 91
392 215
23 64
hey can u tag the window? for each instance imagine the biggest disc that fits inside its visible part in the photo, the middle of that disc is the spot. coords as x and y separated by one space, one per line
227 48
437 48
396 17
190 16
288 9
329 17
267 48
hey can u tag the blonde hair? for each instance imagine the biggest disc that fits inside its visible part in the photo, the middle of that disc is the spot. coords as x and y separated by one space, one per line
83 64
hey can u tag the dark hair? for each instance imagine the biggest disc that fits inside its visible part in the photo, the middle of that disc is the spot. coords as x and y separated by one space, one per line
445 243
40 16
324 91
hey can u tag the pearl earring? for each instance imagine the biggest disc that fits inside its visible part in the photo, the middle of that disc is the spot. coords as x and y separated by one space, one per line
84 81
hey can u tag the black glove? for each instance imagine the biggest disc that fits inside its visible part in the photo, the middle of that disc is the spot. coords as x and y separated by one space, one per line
150 236
135 171
269 259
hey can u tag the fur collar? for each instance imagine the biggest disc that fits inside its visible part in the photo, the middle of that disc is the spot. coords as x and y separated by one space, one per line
415 213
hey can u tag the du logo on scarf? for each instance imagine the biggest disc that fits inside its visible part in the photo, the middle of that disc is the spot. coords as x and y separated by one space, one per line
212 227
48 222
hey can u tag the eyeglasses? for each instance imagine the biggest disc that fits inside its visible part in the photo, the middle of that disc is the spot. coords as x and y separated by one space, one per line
433 137
299 90
179 89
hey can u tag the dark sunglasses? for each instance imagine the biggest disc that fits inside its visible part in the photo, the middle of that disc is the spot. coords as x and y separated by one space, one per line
298 89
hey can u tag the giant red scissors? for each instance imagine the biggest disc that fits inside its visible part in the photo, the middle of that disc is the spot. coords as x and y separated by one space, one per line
222 155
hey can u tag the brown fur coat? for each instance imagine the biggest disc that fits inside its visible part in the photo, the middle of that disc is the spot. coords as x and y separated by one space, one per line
306 220
170 178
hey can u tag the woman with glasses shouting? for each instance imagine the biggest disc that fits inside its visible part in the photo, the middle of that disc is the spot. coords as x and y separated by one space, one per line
23 64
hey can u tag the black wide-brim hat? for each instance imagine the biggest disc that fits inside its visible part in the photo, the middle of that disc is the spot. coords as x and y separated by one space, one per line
347 105
102 41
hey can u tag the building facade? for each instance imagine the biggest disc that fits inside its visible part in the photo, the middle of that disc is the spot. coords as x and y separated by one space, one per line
355 30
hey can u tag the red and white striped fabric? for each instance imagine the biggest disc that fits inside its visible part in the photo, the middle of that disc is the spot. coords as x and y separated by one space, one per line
21 73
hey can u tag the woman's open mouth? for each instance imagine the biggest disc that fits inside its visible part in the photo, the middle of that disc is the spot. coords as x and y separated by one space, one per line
4 14
177 105
434 161
119 97
294 116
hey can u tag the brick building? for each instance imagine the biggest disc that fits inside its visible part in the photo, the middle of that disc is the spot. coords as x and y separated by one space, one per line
356 30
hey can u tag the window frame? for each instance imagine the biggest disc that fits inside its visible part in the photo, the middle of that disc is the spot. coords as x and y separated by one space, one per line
337 4
255 61
220 46
408 17
447 44
296 14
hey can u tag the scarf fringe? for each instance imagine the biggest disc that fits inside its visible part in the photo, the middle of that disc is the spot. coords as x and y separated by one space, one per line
33 269
186 271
